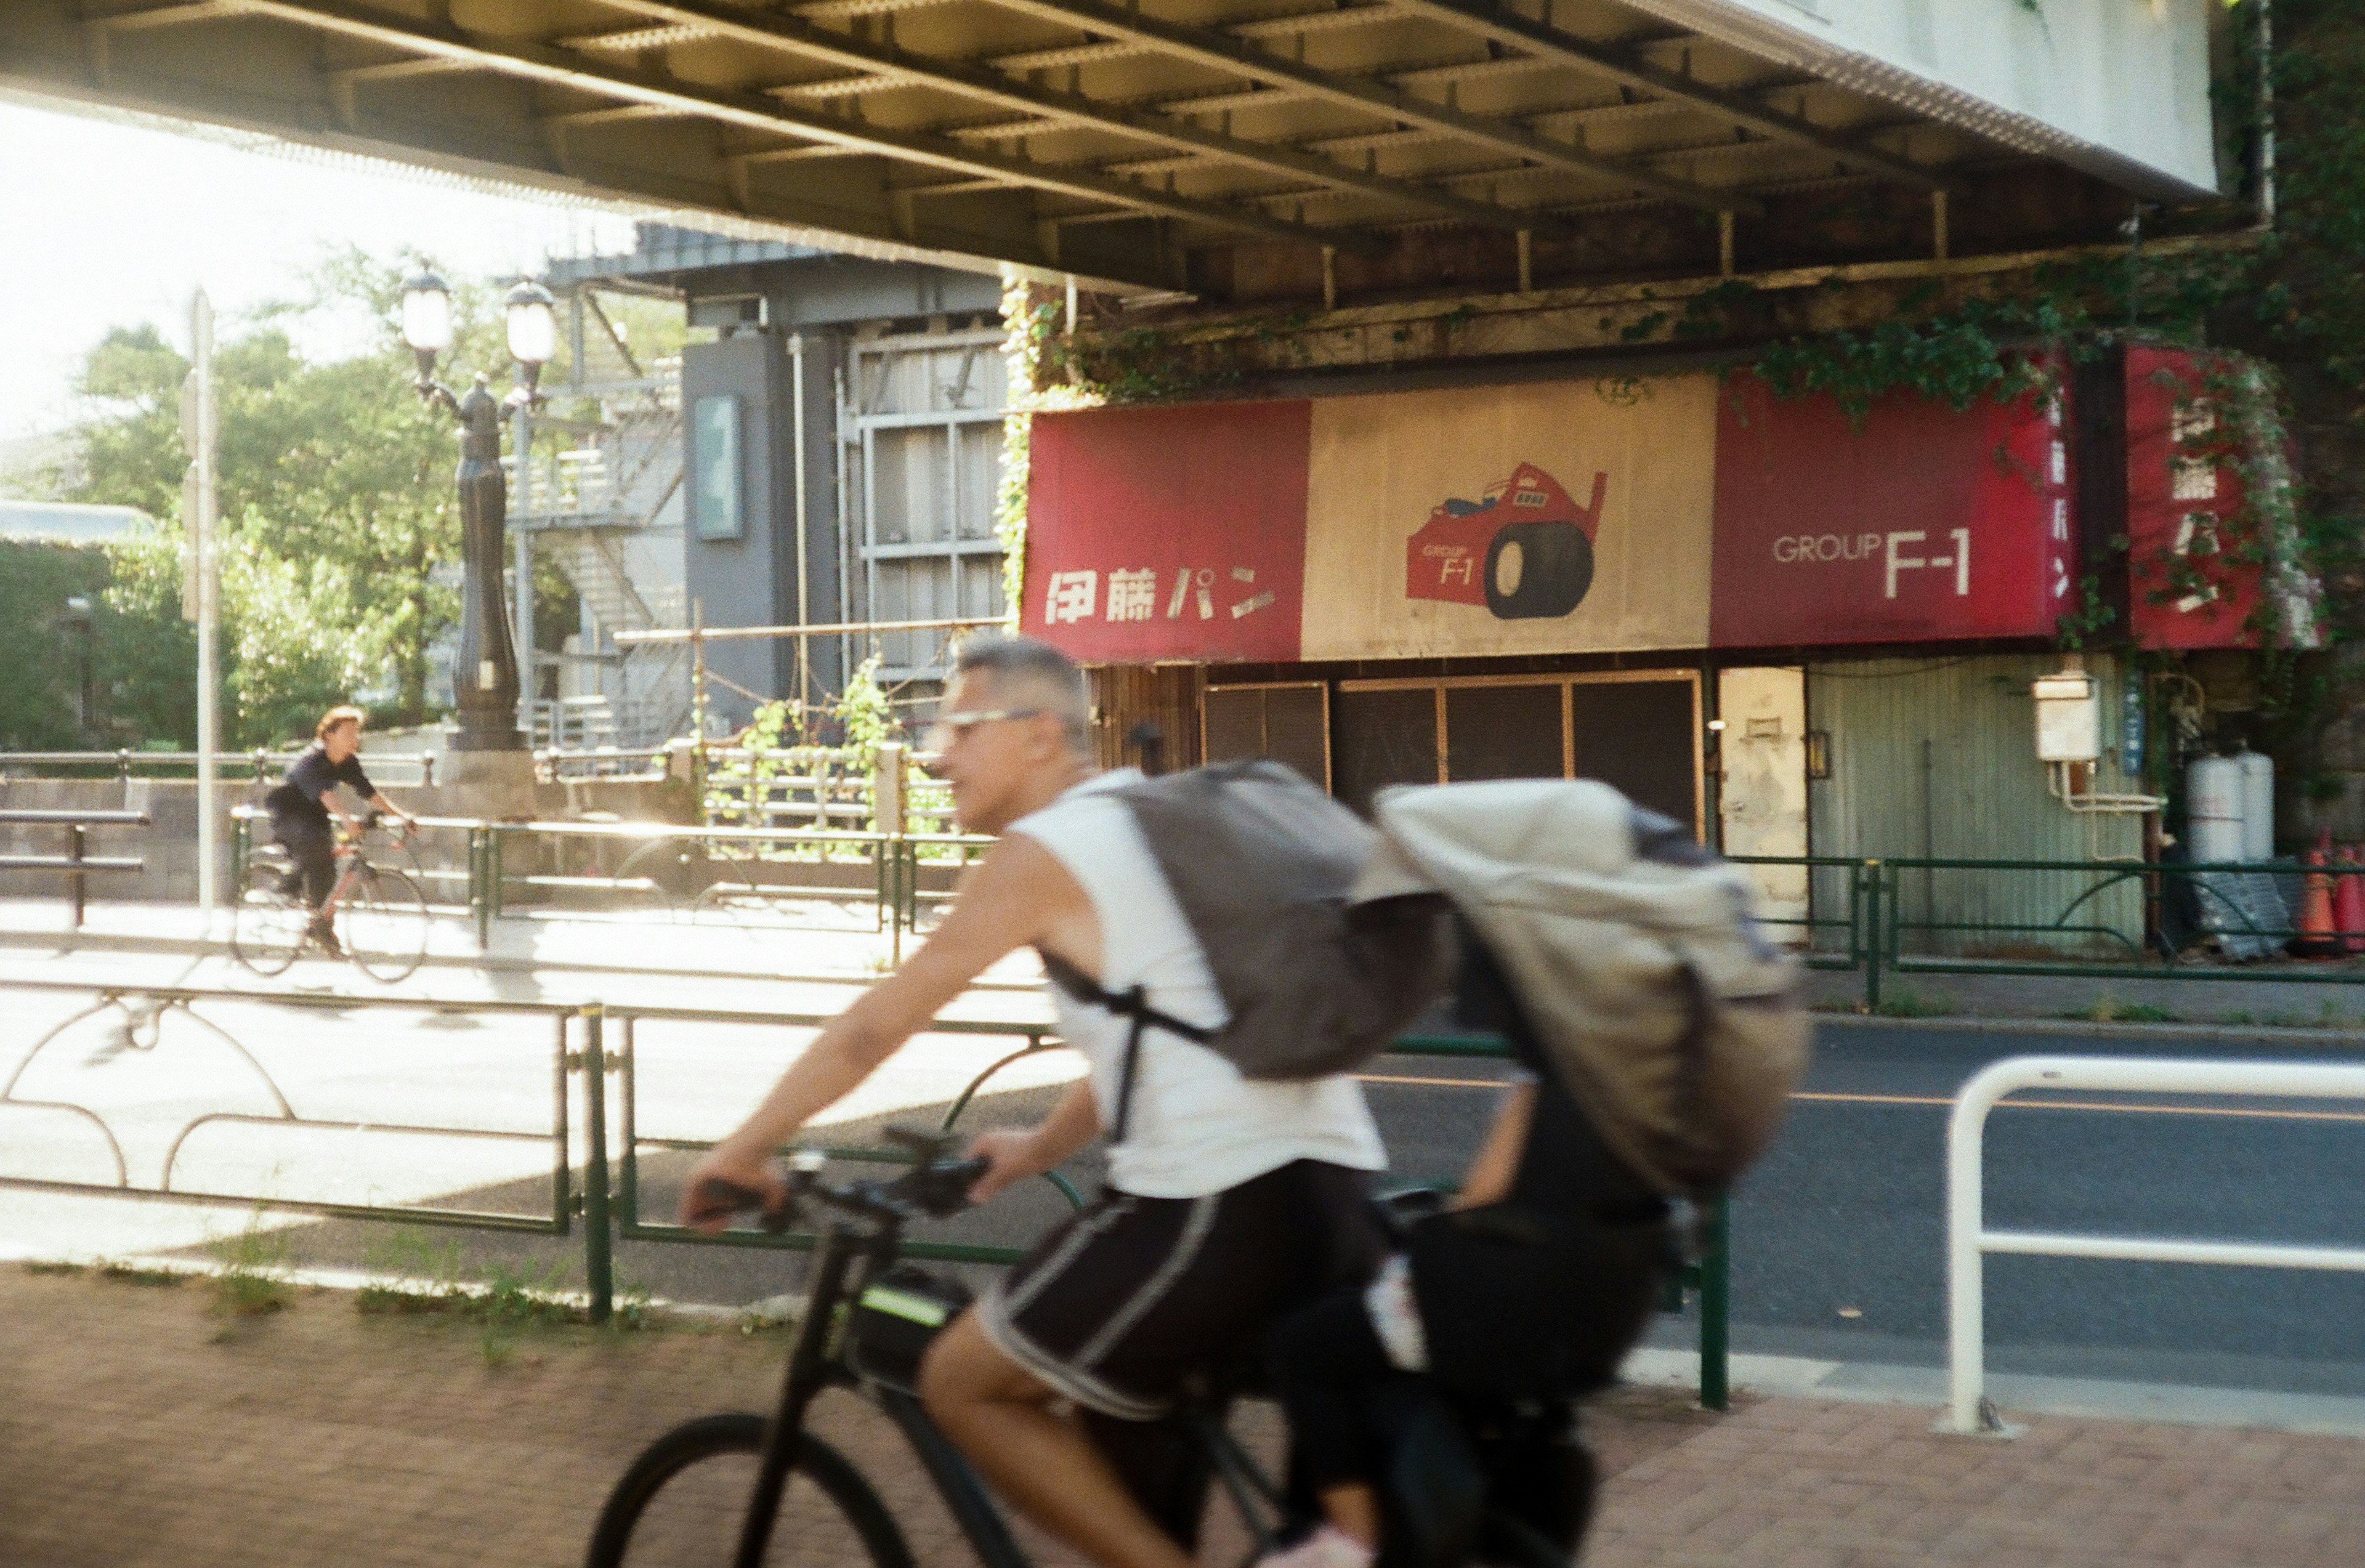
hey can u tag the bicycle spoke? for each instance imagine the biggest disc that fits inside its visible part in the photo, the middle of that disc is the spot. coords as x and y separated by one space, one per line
384 924
267 931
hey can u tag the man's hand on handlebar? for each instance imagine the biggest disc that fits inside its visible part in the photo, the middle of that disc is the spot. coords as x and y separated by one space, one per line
1011 1155
726 1183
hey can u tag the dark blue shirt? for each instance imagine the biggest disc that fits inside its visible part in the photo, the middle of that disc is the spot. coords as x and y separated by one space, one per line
312 775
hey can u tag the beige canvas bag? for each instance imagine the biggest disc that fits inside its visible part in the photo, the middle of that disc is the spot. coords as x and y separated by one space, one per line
1672 1020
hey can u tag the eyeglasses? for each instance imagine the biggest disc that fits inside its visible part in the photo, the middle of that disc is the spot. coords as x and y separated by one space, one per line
939 737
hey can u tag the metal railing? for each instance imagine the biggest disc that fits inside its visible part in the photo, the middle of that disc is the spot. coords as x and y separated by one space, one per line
664 858
1869 924
140 1011
599 1181
260 764
1969 1241
77 864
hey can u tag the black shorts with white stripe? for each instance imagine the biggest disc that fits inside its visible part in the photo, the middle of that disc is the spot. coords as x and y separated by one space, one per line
1121 1308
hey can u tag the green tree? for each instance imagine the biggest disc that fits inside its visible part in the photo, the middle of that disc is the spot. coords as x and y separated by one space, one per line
340 543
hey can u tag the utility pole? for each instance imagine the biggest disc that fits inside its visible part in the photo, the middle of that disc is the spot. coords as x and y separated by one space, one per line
201 584
522 615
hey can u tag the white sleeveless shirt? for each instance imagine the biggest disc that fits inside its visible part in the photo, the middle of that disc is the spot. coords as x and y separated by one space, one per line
1197 1125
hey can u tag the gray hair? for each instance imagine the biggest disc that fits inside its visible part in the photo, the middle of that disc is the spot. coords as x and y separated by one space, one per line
1035 675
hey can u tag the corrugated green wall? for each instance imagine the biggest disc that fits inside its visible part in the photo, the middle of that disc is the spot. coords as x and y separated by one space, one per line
1937 758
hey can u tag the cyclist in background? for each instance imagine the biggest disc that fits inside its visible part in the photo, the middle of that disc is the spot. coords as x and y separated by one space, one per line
304 800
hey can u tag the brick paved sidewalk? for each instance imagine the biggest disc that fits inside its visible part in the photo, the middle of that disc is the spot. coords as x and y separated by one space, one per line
136 1428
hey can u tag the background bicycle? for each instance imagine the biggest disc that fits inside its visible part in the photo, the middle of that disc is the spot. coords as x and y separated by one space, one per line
374 908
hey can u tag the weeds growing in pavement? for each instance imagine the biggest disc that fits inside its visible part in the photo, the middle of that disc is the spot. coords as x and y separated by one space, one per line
1907 1003
425 1274
251 1281
2109 1009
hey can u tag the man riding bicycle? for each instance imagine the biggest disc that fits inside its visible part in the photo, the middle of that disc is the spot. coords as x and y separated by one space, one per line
1228 1201
304 800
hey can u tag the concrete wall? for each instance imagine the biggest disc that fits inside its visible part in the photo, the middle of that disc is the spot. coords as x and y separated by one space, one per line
168 846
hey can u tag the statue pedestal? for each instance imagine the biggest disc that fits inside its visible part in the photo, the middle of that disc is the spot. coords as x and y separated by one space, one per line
494 784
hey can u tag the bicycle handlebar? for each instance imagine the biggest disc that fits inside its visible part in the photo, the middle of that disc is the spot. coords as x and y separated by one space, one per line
934 1187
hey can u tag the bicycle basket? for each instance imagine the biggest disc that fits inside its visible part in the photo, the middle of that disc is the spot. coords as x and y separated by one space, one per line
895 1318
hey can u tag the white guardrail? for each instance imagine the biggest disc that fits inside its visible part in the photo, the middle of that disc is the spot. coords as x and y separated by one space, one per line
1967 1242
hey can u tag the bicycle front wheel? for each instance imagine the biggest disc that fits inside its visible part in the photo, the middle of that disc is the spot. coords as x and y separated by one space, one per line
267 929
681 1504
384 924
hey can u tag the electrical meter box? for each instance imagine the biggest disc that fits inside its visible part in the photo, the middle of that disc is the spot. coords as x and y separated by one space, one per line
2069 717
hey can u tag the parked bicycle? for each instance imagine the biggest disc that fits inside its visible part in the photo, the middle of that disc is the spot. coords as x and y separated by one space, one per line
374 908
748 1491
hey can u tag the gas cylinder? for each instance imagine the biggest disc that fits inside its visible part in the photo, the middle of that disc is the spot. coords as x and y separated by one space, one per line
2258 804
2213 811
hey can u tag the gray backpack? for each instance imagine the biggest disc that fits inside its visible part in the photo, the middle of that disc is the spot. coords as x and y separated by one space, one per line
1665 1012
1262 863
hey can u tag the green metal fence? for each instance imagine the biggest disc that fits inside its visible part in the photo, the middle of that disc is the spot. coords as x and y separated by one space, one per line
1874 929
594 1055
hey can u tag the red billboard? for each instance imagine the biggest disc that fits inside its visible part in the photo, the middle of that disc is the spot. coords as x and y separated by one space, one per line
1924 524
2192 582
1174 532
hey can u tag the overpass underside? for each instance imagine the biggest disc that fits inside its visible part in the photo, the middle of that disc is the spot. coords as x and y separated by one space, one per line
1238 150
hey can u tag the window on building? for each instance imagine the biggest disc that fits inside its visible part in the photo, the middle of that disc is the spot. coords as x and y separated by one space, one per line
1287 722
1504 731
1636 731
715 469
1380 737
1642 737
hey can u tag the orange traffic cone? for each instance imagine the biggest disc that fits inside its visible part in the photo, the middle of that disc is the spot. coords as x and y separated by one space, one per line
2349 902
2316 938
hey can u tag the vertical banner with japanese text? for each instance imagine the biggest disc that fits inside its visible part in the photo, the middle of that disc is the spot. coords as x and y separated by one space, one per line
2194 568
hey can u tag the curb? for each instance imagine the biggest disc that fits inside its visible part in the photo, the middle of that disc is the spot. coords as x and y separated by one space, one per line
2090 1399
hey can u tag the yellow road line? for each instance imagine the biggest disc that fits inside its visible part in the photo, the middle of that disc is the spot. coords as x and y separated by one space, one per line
1437 1083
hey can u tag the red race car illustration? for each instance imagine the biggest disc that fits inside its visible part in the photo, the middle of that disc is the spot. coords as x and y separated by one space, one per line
1524 550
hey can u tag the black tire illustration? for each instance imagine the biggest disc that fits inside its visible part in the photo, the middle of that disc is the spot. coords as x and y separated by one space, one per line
681 1503
1550 575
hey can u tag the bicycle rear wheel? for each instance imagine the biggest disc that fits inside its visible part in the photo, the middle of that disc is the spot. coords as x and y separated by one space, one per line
681 1503
382 922
267 929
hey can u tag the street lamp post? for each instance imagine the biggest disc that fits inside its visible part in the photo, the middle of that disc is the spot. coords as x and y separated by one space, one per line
485 680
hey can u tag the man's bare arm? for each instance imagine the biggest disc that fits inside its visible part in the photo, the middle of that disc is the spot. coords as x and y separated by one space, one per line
1007 902
1498 1163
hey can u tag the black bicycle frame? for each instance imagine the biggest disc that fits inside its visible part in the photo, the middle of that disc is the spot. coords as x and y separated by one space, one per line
811 1368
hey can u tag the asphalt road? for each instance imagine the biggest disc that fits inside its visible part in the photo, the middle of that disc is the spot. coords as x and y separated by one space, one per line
1838 1236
